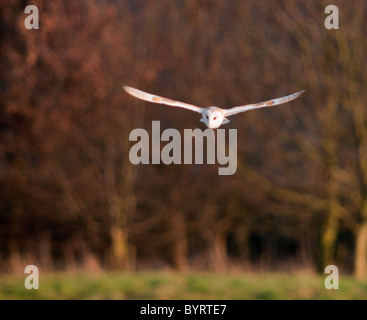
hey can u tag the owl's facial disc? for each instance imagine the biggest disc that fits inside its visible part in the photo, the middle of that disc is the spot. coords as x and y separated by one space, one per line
215 119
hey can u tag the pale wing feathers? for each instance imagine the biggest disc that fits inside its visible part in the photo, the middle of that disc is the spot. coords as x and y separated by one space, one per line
269 103
157 99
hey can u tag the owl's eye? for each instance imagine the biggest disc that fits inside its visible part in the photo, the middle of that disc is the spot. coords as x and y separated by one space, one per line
215 118
207 116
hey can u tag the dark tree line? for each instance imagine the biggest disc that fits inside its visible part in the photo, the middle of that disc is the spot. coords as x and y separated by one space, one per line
71 199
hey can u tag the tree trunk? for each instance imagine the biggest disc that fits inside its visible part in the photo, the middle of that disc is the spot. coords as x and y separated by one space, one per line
330 145
180 242
360 256
328 240
218 259
121 198
119 248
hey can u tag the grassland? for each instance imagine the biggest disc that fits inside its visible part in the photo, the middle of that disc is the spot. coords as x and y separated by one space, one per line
169 285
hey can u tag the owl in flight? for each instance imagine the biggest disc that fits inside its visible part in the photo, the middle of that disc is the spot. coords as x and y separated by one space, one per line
213 117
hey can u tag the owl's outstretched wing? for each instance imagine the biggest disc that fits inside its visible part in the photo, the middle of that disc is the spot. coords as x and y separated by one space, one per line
157 99
269 103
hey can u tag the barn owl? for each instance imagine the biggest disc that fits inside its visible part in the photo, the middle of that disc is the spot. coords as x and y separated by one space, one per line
213 117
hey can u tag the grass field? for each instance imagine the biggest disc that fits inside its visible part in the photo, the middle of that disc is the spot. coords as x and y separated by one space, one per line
169 285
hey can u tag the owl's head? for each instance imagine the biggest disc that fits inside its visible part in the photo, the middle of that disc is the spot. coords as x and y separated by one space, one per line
213 117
